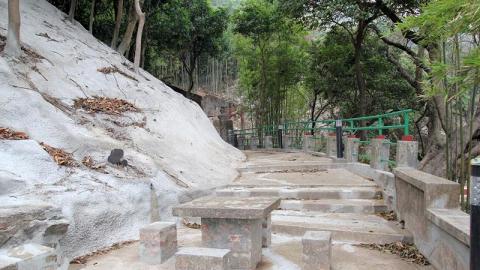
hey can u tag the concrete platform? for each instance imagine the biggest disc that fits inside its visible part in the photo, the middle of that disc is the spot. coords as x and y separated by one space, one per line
345 227
285 254
335 206
304 193
328 177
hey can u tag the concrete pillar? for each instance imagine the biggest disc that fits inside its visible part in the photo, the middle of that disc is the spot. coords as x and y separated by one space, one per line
351 149
158 242
331 145
317 250
287 142
267 142
267 231
308 143
407 154
200 258
253 143
241 142
244 239
380 149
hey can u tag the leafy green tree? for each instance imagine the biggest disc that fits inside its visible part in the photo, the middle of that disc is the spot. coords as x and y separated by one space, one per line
189 29
271 51
351 15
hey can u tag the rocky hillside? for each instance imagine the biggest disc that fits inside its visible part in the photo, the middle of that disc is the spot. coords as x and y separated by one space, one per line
65 104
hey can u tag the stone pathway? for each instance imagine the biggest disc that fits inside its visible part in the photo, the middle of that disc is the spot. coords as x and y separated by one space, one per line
329 198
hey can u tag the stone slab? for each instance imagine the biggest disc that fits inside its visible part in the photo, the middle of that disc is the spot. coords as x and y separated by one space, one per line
200 258
454 221
158 242
28 257
317 251
348 227
228 207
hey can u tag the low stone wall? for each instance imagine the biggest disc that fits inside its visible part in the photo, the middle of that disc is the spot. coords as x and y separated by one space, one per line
429 206
385 180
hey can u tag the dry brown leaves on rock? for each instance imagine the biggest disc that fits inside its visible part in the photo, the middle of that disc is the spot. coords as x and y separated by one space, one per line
8 134
390 216
113 106
84 259
115 69
408 252
61 157
90 163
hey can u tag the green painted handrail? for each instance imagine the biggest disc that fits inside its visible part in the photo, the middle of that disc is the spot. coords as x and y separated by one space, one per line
351 125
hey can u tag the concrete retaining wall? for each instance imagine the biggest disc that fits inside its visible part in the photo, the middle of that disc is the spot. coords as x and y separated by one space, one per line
429 206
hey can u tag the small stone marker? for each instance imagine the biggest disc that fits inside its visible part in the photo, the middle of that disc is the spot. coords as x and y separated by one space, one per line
199 258
158 242
28 257
317 251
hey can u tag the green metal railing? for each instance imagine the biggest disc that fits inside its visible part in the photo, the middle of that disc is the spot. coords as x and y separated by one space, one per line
350 125
393 123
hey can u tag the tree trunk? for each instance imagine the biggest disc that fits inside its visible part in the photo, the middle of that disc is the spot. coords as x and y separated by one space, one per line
71 13
92 17
118 21
138 41
124 46
13 47
362 98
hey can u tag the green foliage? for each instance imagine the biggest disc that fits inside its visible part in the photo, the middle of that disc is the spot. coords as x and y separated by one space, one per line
271 51
331 71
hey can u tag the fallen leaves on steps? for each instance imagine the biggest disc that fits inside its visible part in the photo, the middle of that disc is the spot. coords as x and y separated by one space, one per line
408 252
390 215
8 134
112 106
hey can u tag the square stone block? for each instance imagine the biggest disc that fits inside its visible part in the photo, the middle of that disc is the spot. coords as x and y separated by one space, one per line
28 257
242 236
200 258
158 242
317 251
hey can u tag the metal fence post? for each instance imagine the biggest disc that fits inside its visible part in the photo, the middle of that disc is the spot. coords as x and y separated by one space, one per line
280 135
475 215
339 135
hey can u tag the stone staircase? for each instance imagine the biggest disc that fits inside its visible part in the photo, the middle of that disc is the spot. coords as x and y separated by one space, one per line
348 211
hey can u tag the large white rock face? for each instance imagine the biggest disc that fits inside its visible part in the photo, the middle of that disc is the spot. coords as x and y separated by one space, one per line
172 149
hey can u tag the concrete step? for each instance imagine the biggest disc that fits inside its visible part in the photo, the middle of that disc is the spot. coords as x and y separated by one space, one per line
314 193
345 227
335 206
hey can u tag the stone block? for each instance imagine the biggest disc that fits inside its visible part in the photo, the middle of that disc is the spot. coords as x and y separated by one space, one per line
407 154
351 149
331 146
28 257
200 258
317 251
380 153
241 142
158 242
308 143
242 236
267 142
253 143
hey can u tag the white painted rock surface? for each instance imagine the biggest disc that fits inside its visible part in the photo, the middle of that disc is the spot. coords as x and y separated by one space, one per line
178 150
